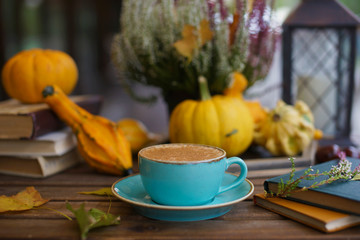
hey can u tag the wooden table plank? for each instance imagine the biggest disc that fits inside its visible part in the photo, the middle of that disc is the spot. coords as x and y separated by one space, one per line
80 175
153 229
240 211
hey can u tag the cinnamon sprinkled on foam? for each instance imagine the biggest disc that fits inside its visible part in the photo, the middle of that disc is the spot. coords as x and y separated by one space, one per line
174 152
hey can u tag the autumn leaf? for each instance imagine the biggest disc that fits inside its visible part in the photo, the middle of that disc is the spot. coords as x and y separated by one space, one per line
24 200
187 44
101 192
91 219
250 5
205 32
233 28
193 38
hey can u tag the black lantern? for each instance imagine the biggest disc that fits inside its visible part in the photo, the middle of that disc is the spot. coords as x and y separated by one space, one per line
319 49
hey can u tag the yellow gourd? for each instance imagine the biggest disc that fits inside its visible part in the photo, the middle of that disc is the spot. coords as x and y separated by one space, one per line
25 75
100 142
287 130
218 121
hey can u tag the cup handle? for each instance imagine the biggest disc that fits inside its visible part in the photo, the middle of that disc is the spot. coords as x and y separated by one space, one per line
240 178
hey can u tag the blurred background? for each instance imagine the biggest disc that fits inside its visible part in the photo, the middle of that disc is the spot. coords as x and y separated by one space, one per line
84 29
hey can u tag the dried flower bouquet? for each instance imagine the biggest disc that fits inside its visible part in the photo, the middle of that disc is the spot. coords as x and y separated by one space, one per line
170 43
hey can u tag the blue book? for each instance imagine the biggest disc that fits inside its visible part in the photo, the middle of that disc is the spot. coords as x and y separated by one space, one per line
341 195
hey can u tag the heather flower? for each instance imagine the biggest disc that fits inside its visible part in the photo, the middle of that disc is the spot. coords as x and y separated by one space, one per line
264 35
343 169
161 44
357 170
342 155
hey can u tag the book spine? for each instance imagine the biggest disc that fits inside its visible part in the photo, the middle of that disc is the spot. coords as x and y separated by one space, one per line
45 121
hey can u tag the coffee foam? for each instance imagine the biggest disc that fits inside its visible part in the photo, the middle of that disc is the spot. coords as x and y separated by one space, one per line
181 152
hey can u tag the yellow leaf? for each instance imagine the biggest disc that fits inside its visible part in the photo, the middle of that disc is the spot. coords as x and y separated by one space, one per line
187 44
193 39
101 192
205 32
189 32
250 5
24 200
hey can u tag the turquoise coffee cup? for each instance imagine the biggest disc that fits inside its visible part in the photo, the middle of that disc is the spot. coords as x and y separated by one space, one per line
171 180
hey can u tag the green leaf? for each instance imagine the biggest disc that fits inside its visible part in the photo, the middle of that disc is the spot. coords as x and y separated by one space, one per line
356 177
93 218
101 192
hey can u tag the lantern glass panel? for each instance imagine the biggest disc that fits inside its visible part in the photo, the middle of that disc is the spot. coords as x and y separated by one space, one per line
321 58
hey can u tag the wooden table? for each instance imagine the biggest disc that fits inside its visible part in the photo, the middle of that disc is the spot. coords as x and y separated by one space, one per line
244 221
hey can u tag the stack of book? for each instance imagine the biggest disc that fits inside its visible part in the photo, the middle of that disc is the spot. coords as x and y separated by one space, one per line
329 208
34 142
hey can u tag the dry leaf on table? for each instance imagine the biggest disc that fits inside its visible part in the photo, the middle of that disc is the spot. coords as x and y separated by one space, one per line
24 200
101 192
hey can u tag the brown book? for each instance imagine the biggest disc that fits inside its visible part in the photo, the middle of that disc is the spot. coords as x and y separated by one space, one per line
38 166
28 121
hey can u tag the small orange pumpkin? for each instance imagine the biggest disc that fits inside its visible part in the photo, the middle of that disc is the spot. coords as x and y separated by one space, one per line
135 132
236 89
26 74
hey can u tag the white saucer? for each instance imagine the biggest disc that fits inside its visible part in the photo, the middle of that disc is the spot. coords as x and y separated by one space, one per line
131 190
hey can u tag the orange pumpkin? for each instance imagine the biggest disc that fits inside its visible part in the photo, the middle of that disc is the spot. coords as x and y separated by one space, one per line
26 74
